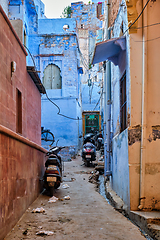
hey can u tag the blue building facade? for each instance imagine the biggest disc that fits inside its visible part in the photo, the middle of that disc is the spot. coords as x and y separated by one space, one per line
89 23
53 50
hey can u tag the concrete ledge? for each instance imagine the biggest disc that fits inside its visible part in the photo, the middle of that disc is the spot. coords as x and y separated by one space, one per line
149 222
10 133
115 200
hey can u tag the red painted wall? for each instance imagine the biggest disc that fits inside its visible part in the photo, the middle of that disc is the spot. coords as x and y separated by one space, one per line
21 156
10 50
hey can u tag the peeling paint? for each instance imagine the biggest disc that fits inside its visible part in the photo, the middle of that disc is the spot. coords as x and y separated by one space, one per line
152 168
134 134
137 169
128 118
155 133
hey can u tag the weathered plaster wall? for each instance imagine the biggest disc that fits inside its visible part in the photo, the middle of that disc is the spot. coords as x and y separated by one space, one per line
21 167
40 8
120 179
151 159
152 162
4 4
89 103
120 167
21 156
64 129
31 98
87 26
53 45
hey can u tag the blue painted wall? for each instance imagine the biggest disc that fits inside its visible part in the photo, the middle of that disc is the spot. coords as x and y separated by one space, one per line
49 43
120 162
86 18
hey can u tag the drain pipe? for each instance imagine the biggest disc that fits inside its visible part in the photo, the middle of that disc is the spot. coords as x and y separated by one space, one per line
104 123
144 111
106 112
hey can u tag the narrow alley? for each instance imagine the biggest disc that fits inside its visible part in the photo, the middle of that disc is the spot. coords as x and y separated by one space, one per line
85 215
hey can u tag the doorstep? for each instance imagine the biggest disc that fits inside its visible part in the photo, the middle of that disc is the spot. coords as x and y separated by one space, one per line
149 222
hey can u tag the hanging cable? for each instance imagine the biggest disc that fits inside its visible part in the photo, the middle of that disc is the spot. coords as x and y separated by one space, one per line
148 40
31 56
59 110
151 25
98 100
138 16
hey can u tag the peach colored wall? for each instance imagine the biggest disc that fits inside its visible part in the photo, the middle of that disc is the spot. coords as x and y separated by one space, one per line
152 72
135 114
152 163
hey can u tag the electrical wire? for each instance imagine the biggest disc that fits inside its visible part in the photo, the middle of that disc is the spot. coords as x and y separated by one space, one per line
31 56
148 40
151 25
59 110
98 100
138 16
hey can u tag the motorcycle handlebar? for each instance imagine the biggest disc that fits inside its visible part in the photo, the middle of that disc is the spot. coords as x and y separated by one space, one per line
54 150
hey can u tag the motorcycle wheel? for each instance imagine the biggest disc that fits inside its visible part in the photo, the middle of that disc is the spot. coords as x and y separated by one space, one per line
87 163
51 191
57 184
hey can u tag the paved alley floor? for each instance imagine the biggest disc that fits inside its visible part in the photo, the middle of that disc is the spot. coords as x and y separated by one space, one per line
87 215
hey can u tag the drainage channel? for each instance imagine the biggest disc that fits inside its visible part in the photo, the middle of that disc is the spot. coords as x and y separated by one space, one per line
103 193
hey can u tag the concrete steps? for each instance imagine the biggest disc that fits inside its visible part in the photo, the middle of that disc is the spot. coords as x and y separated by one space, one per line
148 221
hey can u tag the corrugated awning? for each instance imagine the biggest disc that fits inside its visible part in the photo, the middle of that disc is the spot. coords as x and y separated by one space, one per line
109 49
33 74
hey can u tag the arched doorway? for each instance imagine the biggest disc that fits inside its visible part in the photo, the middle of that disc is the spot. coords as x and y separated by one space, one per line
52 77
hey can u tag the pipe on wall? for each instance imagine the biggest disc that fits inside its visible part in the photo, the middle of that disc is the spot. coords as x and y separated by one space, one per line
144 110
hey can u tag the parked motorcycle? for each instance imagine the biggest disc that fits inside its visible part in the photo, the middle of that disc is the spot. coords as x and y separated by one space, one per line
53 172
98 141
89 137
88 153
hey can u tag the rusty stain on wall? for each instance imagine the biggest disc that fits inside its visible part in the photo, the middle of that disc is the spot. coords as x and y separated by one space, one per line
132 15
128 118
155 133
134 134
152 168
137 169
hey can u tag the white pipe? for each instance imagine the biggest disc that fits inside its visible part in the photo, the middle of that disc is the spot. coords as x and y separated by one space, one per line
144 111
105 93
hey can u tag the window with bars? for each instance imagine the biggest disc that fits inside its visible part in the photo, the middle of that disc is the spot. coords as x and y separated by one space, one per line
123 104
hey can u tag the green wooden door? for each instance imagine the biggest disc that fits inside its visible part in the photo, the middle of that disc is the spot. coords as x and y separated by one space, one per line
91 123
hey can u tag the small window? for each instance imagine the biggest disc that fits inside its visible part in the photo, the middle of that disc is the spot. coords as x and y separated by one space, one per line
19 112
65 27
99 10
123 104
82 25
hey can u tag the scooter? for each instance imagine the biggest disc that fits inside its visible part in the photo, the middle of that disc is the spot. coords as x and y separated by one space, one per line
99 140
88 153
53 173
